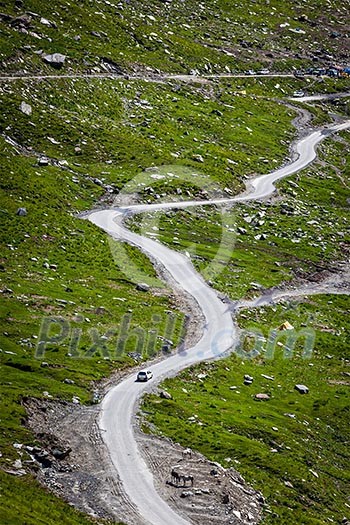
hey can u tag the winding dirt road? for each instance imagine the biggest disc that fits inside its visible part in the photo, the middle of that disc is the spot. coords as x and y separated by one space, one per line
219 334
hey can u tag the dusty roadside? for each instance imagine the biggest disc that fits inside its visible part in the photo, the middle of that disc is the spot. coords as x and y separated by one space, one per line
74 463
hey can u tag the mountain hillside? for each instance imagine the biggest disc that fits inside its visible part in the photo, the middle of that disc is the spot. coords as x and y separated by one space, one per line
106 103
174 35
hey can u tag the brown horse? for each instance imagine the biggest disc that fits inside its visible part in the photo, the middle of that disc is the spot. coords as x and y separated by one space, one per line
186 478
175 476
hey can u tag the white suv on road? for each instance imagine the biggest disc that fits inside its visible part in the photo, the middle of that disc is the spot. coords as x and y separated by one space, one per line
144 375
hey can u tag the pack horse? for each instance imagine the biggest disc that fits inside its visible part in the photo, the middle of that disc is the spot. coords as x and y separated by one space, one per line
177 478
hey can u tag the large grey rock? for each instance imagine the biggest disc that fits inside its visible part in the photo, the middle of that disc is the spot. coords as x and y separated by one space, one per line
165 395
55 60
186 494
142 287
48 23
302 389
262 397
22 212
26 108
21 21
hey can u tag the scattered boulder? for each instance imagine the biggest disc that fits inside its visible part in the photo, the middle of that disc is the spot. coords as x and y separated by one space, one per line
142 287
55 60
270 378
186 494
17 464
61 454
226 499
43 161
100 310
248 380
68 381
286 326
302 389
198 158
262 397
26 108
21 21
256 286
135 356
47 23
165 395
22 212
7 290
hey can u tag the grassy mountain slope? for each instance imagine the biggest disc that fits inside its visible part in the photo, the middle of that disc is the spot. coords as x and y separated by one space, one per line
175 36
292 447
96 136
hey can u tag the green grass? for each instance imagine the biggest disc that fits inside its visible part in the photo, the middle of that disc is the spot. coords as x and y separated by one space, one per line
23 500
87 286
219 416
168 123
216 37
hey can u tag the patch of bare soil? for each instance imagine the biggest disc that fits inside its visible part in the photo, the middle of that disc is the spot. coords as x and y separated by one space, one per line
73 462
217 496
83 475
333 279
